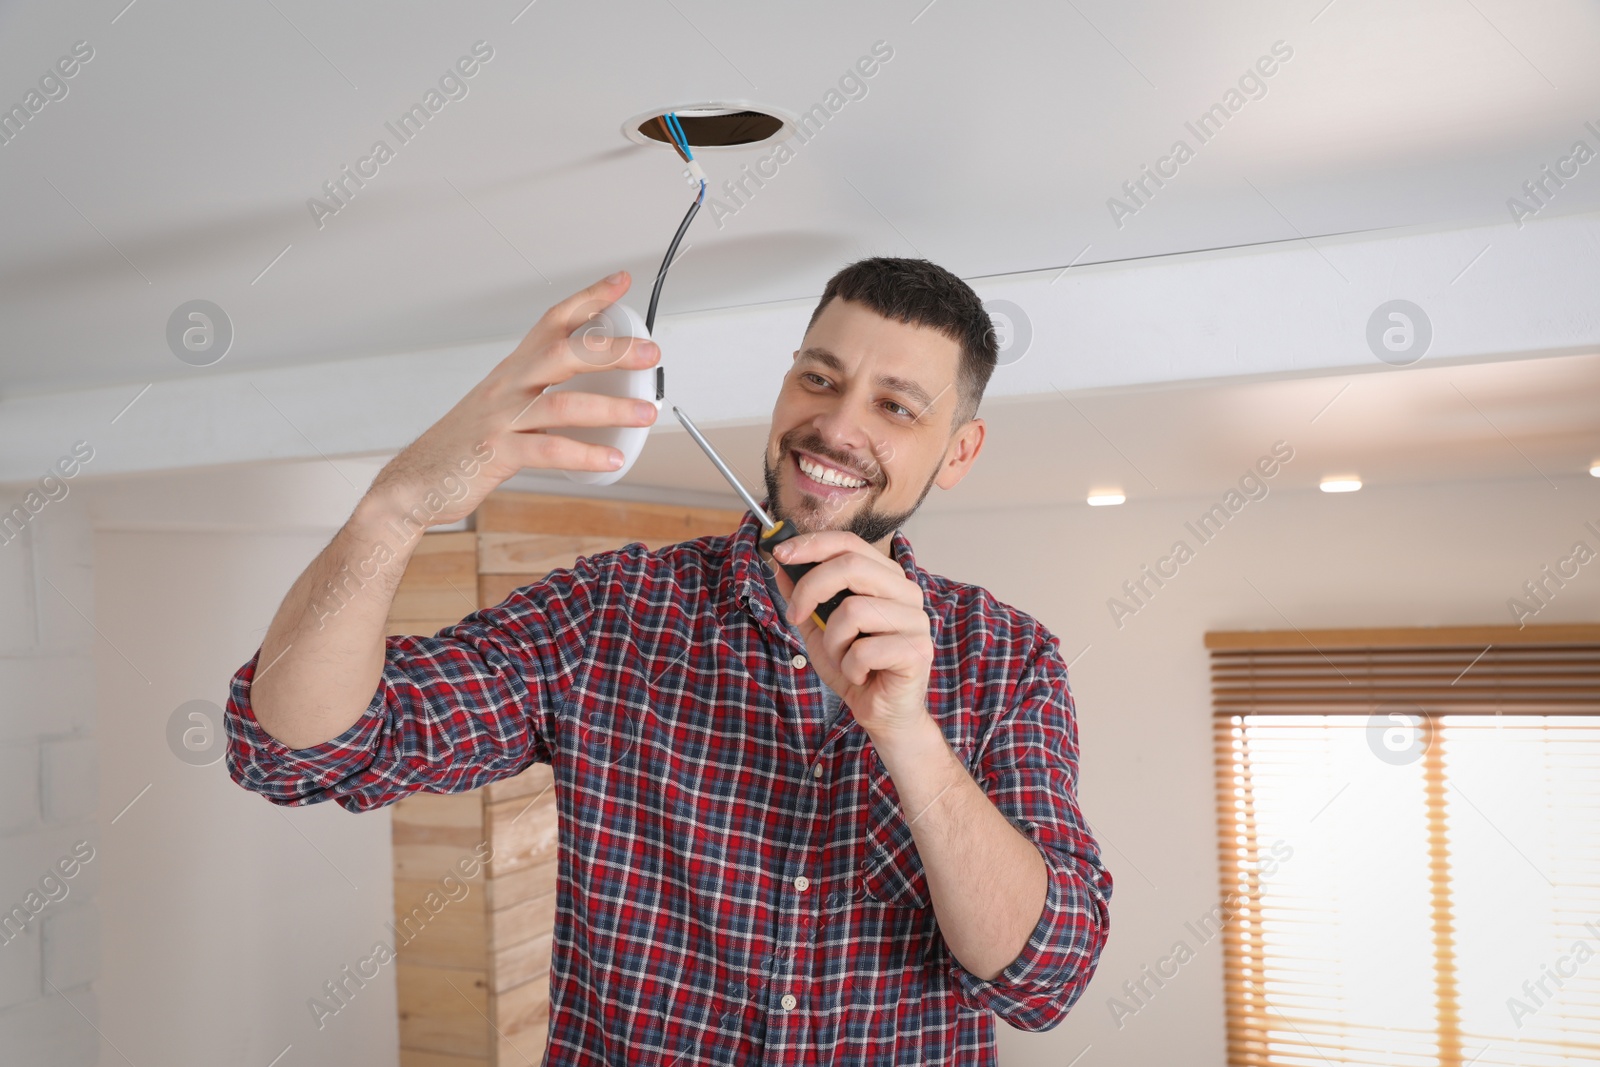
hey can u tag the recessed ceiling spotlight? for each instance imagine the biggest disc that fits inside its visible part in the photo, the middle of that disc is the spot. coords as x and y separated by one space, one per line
716 125
1594 468
1100 498
1343 483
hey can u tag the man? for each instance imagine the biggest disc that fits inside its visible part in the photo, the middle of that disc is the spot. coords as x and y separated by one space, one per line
779 843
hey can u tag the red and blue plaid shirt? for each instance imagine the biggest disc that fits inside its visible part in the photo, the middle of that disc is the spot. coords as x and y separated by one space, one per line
737 882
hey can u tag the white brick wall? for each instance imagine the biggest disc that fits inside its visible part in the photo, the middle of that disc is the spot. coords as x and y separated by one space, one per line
19 786
51 1032
71 946
50 948
70 779
21 965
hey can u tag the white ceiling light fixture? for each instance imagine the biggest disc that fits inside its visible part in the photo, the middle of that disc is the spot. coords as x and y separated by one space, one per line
1594 468
1340 483
1100 498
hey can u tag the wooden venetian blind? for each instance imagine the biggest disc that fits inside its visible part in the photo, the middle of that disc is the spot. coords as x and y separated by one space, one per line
1410 845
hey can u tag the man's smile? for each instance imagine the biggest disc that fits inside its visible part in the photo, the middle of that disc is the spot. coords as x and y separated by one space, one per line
819 477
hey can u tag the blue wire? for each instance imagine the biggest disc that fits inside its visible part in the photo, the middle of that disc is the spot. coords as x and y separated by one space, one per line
678 134
667 119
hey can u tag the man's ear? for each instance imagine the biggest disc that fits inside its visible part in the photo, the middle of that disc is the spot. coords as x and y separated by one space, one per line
960 453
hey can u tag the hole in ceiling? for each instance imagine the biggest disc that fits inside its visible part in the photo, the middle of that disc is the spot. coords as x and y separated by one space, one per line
714 127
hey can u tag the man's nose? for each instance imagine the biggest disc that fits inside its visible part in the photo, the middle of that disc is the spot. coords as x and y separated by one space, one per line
841 428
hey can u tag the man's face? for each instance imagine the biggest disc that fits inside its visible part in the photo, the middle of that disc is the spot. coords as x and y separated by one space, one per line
870 403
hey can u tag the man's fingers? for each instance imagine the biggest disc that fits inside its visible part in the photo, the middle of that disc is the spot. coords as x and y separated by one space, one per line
566 359
856 572
591 348
551 451
569 407
857 617
882 652
576 309
570 339
824 544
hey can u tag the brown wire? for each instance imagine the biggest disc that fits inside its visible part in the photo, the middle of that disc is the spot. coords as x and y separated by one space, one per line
661 120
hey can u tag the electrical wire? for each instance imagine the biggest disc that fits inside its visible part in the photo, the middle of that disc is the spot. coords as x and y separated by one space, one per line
683 138
680 143
671 137
673 128
672 251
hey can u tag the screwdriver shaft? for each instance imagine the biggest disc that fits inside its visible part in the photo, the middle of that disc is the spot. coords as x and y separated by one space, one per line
711 453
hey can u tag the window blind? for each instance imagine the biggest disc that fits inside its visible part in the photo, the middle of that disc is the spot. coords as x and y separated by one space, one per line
1409 827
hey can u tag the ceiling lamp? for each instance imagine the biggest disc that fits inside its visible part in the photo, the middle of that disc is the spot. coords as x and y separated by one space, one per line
1342 483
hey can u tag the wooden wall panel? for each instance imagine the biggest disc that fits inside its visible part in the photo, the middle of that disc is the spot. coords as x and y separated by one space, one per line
524 961
536 779
523 831
493 588
525 553
431 833
509 887
598 517
415 1058
444 1010
440 580
442 926
524 1021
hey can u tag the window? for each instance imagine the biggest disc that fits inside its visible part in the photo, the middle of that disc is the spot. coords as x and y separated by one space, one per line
1410 846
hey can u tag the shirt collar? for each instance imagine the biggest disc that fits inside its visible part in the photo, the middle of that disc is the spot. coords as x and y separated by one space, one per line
742 582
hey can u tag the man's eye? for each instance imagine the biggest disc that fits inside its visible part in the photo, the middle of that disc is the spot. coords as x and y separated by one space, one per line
817 377
903 409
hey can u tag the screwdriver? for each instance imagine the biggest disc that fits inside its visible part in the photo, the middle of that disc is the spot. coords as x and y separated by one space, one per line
773 533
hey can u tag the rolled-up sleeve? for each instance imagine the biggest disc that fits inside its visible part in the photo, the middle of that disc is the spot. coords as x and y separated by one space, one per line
1027 764
474 703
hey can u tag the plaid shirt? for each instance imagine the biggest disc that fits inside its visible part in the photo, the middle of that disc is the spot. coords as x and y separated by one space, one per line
737 882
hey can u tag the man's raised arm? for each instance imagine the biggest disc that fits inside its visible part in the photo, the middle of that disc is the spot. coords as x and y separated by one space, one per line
323 655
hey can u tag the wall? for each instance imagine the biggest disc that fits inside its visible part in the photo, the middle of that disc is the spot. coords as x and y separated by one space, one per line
223 914
1409 556
51 852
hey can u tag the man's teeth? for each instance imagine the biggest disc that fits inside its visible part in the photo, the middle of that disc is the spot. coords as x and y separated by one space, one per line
828 476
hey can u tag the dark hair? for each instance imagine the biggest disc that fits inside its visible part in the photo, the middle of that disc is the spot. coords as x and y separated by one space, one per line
921 293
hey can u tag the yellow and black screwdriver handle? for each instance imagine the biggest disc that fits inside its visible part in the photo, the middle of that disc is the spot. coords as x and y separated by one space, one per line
777 534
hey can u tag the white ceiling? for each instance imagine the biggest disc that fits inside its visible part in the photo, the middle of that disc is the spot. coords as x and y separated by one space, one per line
179 164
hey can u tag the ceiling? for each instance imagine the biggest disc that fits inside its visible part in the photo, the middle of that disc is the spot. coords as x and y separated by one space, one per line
180 162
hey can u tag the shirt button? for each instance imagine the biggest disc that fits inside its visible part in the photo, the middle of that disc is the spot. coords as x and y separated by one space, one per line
798 662
802 883
816 772
788 1002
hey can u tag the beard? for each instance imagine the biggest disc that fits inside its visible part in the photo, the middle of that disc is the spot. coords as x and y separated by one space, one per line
868 522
